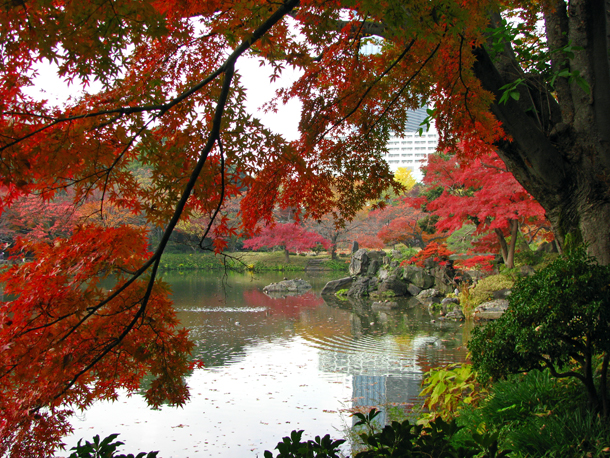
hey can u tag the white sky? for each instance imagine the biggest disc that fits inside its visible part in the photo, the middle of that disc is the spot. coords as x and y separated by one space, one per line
256 79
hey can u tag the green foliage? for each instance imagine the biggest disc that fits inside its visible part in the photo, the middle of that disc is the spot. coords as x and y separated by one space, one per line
407 440
405 251
261 266
198 261
342 292
539 415
105 448
529 258
336 266
449 388
430 194
484 289
242 261
293 447
428 223
557 316
460 241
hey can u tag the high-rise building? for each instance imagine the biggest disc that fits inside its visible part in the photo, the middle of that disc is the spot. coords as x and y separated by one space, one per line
412 150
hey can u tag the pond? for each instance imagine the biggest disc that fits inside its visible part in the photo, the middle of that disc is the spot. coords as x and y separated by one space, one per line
274 365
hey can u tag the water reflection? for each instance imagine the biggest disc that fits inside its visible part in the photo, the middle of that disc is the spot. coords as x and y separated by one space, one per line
278 364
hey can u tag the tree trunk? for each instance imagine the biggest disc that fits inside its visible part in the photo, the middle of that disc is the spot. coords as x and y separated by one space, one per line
603 386
523 245
508 250
333 252
286 255
514 230
560 148
503 245
333 246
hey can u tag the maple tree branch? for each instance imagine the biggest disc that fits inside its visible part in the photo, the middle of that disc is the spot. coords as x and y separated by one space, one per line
370 87
369 28
472 118
213 137
404 87
117 160
156 258
491 166
222 194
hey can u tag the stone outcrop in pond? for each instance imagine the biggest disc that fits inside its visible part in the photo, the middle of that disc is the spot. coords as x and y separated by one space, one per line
294 287
377 275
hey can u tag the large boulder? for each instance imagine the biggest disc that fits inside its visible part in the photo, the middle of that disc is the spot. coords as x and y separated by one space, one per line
374 266
443 278
383 274
377 255
491 310
430 296
363 286
384 305
456 314
418 277
413 290
359 263
336 285
393 286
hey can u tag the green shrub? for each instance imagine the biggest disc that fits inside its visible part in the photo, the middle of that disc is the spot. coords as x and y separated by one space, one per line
448 389
484 289
336 266
435 439
105 448
403 440
198 261
292 447
342 292
529 258
556 317
539 415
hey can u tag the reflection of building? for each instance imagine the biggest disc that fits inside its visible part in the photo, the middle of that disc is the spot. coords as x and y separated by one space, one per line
379 390
383 358
383 371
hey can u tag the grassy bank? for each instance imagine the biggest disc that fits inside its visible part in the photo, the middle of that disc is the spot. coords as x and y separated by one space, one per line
243 261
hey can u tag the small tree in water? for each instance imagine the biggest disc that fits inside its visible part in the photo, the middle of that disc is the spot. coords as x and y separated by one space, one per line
558 319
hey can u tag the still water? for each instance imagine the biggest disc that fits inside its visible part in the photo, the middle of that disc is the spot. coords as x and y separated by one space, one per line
277 364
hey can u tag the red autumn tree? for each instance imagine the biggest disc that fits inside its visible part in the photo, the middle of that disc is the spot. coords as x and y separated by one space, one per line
33 218
408 231
481 192
372 242
289 236
338 231
56 345
171 98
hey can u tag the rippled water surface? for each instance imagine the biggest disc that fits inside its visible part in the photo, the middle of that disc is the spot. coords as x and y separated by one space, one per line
277 364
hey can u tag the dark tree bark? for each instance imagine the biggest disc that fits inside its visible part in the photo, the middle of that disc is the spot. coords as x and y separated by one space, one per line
561 153
508 249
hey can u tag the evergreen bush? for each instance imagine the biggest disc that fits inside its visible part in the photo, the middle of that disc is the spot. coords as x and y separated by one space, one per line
558 319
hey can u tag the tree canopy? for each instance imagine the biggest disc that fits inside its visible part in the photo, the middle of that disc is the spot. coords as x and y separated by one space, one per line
172 101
